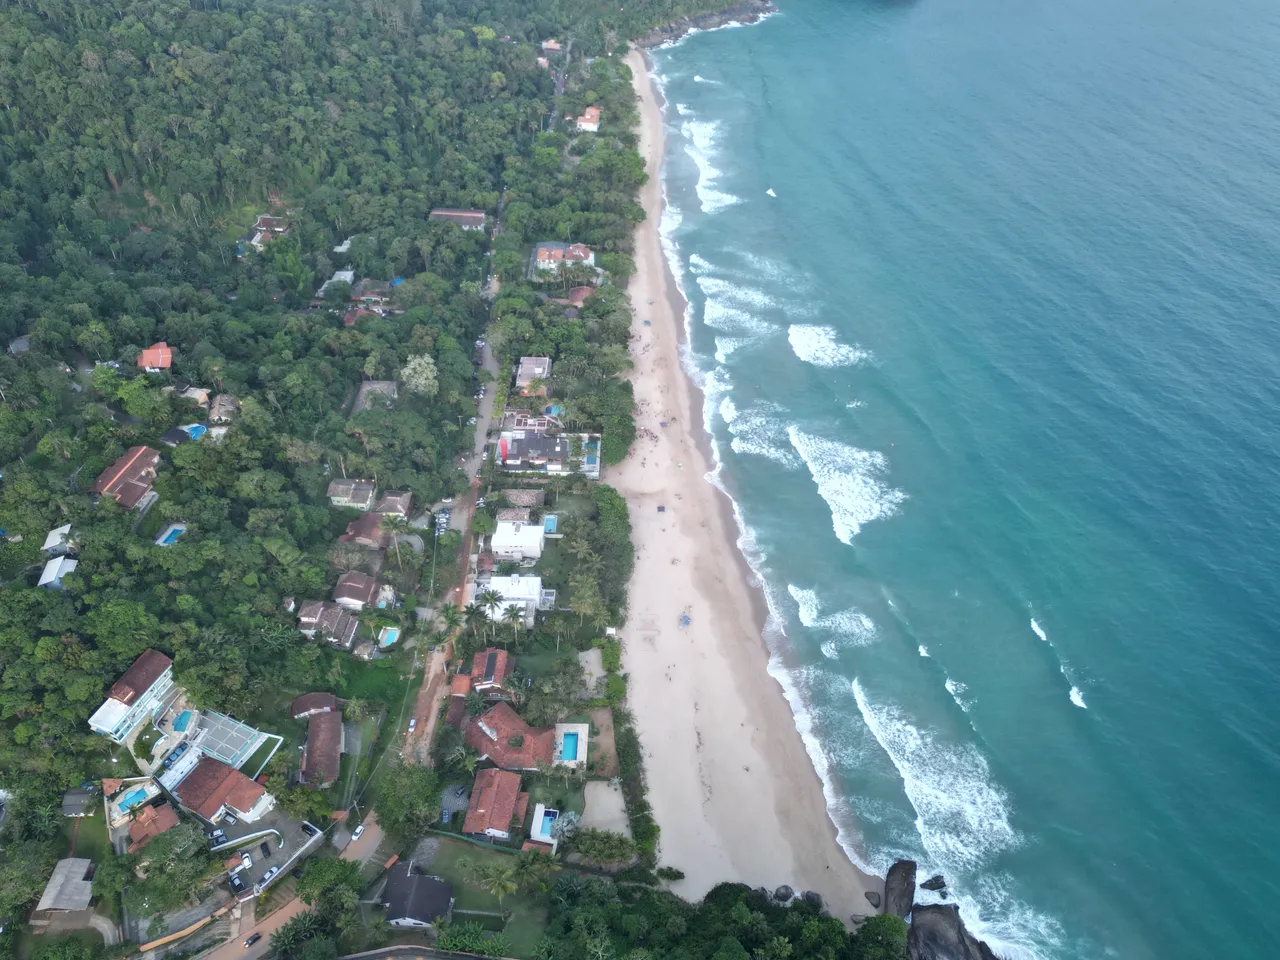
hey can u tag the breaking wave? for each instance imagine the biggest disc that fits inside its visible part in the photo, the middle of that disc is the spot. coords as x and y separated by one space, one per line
852 627
700 144
819 346
849 480
760 431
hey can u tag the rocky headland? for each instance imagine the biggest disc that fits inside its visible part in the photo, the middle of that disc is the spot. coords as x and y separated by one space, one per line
744 11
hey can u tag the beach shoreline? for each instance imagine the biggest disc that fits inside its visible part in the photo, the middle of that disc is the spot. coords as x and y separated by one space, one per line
731 784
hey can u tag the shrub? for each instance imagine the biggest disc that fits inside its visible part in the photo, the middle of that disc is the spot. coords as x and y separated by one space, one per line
615 689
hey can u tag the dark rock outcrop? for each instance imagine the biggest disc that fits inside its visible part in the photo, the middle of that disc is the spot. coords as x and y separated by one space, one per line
813 898
935 883
873 898
783 894
740 11
900 888
938 933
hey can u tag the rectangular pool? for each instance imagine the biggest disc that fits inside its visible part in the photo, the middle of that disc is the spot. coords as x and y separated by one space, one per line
569 747
549 523
172 536
181 720
548 818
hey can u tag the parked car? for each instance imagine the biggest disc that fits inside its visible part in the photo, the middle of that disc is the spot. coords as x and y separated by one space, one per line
246 861
308 829
471 422
266 851
266 877
460 791
230 819
413 724
236 882
358 832
253 938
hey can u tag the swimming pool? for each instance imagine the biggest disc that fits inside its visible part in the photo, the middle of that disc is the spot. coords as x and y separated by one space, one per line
548 818
171 536
569 747
549 523
181 720
132 799
388 636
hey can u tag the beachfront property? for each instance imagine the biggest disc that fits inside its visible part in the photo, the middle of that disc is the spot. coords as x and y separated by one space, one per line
339 276
501 736
466 219
497 805
211 790
322 755
328 620
531 498
358 494
518 540
55 570
540 828
529 370
589 122
550 255
156 358
529 421
141 693
523 592
128 480
520 451
571 743
414 900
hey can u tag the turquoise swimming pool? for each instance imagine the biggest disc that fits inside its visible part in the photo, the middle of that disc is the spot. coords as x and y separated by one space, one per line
132 799
548 818
549 523
389 636
181 720
569 747
172 536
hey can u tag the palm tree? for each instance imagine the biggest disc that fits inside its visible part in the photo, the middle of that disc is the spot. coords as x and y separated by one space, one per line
497 880
533 869
513 616
490 600
395 525
473 615
451 616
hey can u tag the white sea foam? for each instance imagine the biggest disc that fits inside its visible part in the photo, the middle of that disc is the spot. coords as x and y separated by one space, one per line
759 430
818 345
684 110
923 650
854 404
720 314
697 264
849 480
700 145
1077 698
727 410
1035 627
962 817
957 691
701 79
726 345
852 627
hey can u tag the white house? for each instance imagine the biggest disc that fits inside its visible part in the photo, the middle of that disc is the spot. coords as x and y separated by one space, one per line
58 541
55 570
339 276
518 540
524 592
140 694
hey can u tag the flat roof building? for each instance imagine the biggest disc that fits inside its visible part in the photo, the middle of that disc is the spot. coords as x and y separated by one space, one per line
140 694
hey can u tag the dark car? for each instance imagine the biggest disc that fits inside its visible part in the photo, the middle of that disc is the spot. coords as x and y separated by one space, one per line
253 938
309 830
237 884
266 851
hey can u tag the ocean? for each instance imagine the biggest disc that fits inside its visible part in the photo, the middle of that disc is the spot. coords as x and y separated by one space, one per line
984 301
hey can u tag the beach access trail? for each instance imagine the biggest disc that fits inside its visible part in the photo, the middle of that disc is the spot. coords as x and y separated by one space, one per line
731 785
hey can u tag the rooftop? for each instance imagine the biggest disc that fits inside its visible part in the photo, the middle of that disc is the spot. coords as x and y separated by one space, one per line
398 502
213 784
463 218
128 480
489 668
367 529
356 587
142 673
410 895
531 368
496 801
322 756
491 735
525 498
158 356
70 887
312 703
149 823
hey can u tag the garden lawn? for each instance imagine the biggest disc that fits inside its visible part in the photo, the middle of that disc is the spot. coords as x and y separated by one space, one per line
253 766
528 912
91 839
552 793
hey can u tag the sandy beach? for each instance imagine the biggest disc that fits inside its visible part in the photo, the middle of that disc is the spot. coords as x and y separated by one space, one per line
732 787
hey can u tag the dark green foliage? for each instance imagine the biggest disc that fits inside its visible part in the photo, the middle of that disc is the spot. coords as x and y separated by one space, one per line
408 800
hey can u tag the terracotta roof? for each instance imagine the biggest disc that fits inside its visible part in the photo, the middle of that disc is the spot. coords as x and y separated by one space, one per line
356 586
157 356
525 498
322 757
513 514
490 668
457 712
149 824
495 802
128 480
461 685
135 681
578 295
110 785
398 502
490 735
213 784
310 703
367 531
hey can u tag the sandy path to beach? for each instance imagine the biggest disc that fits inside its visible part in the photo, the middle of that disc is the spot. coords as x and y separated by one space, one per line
731 785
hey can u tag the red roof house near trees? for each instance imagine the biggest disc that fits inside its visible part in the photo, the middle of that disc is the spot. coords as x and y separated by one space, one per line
156 357
496 802
137 680
503 737
149 823
322 756
128 480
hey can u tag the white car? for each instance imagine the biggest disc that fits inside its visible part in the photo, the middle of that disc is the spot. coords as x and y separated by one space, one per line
246 861
413 724
471 422
359 832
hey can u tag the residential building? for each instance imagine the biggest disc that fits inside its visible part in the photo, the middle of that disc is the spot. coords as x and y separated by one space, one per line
59 540
312 703
544 63
414 900
490 670
551 46
355 591
498 807
149 823
339 276
466 219
70 887
367 532
156 358
459 688
197 395
528 421
371 292
550 254
55 570
531 369
352 493
524 592
394 503
266 229
224 408
589 122
374 391
330 621
525 452
513 514
143 691
501 735
322 756
128 480
517 540
535 497
80 802
213 789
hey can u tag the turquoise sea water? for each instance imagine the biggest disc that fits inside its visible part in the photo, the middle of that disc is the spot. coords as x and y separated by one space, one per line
993 378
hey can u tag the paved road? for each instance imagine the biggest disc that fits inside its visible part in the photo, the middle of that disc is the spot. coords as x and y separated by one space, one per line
234 949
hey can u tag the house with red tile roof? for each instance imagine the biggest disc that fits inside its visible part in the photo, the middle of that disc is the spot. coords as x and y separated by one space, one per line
149 823
142 692
367 532
466 219
128 480
308 703
156 357
500 735
322 756
497 805
490 670
355 591
213 789
590 120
